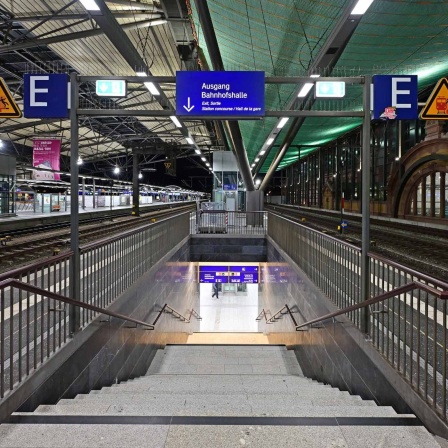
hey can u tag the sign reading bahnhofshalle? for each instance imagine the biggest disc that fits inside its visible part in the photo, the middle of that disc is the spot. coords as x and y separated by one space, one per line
220 94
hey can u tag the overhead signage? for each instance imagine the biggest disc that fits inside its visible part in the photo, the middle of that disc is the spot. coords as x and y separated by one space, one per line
8 107
111 87
229 187
436 108
243 274
213 274
395 97
228 274
45 96
329 89
220 94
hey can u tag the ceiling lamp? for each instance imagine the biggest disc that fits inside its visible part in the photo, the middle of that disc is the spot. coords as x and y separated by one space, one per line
282 122
116 170
158 22
305 90
361 7
90 5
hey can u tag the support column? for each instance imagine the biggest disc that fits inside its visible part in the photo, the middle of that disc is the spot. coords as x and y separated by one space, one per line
433 195
74 312
83 193
442 194
94 193
365 244
135 185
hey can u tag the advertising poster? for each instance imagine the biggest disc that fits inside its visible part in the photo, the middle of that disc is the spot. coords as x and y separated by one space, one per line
46 155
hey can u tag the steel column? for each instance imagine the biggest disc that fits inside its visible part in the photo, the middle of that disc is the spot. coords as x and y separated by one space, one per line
74 313
135 185
365 245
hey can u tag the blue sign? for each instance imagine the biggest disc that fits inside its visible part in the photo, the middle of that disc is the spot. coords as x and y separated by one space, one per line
344 224
213 274
243 274
45 96
229 187
220 94
395 97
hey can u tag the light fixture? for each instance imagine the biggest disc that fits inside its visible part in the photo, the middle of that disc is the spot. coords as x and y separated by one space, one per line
189 140
208 164
257 159
361 7
397 158
305 89
90 5
176 121
270 141
116 170
315 76
203 159
152 88
253 165
282 122
79 161
262 152
258 182
141 73
1 143
140 175
158 22
197 151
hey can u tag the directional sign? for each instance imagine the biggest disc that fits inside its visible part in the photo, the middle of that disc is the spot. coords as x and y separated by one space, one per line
436 108
243 274
395 96
8 107
111 87
330 89
220 94
45 96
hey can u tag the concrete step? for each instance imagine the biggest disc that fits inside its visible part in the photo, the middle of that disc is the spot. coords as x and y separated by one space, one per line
216 436
217 407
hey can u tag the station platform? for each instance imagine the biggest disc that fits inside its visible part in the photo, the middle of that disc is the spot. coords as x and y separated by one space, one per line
25 219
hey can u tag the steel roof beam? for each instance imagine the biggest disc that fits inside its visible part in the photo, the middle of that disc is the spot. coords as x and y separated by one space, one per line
232 127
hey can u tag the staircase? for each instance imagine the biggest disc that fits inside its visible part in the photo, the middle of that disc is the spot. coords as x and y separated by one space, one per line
196 396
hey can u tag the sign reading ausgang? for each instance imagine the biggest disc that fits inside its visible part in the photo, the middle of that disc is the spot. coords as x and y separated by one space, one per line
111 87
220 94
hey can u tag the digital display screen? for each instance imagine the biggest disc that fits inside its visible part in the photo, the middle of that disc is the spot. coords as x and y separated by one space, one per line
243 274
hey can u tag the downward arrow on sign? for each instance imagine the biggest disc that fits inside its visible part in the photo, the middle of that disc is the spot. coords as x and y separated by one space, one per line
189 108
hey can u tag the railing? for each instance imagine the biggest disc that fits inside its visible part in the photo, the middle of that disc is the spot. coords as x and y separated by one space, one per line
225 222
32 324
409 327
24 357
167 309
277 315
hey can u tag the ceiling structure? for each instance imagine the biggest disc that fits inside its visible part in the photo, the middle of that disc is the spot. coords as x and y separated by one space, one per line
281 38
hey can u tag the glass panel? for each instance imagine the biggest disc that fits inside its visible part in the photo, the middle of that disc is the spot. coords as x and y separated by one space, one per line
419 199
428 195
437 192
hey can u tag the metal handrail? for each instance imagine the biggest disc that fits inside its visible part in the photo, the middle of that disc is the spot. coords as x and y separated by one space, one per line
264 313
278 313
177 314
387 295
52 295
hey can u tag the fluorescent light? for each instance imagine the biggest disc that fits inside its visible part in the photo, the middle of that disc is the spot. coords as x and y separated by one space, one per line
189 140
175 121
140 175
197 151
207 164
361 7
257 159
253 165
262 152
315 76
90 5
141 73
305 89
270 141
282 122
203 159
79 161
152 88
158 22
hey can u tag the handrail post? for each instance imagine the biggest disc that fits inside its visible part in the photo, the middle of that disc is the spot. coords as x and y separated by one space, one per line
75 264
365 204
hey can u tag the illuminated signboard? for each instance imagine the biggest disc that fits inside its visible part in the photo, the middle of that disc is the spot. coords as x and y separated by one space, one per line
243 274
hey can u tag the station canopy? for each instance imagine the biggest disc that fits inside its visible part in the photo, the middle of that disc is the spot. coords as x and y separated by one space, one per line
281 38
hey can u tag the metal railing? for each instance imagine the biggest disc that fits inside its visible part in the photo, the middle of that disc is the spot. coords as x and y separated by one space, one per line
225 222
33 326
167 309
409 328
277 315
25 357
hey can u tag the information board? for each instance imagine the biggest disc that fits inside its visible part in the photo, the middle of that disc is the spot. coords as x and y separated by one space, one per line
243 274
220 94
213 274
